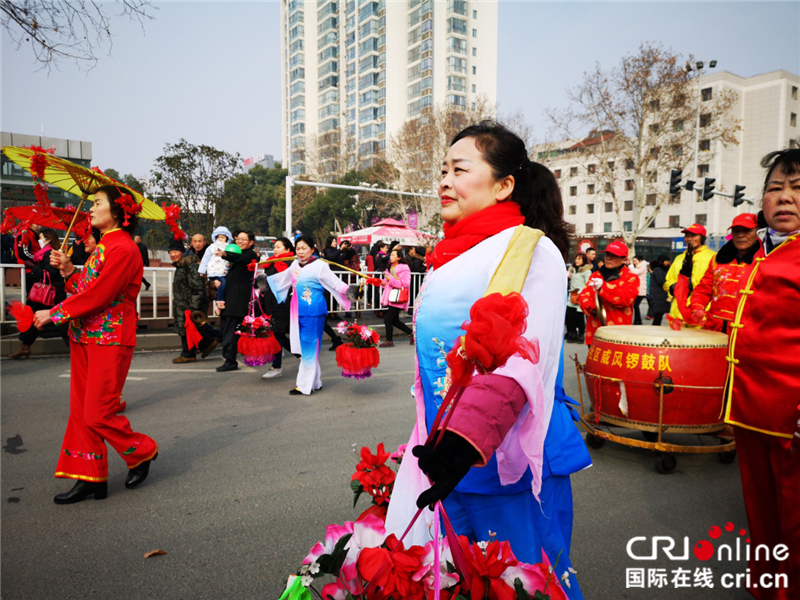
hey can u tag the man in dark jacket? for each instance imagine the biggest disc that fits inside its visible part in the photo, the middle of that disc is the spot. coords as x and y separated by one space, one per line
237 295
145 258
188 293
659 298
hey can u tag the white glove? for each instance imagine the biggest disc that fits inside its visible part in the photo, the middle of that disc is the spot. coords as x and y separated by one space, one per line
596 283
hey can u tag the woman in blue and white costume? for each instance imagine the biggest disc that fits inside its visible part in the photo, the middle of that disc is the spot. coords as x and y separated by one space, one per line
488 467
308 277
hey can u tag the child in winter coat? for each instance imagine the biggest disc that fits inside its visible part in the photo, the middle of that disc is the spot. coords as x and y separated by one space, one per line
215 267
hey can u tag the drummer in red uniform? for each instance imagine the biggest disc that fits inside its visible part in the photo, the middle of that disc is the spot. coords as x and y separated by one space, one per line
764 385
719 287
102 317
617 288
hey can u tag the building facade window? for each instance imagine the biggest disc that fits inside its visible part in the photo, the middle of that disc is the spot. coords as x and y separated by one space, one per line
590 228
572 209
628 185
627 225
705 120
793 120
702 170
650 200
606 227
573 171
573 190
674 221
608 207
628 205
705 145
590 189
590 209
700 219
706 94
592 169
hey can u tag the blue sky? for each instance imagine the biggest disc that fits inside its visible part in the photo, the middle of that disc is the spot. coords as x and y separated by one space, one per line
209 72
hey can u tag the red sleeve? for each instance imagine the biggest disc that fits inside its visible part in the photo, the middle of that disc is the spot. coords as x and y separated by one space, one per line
487 410
701 295
621 292
119 267
586 295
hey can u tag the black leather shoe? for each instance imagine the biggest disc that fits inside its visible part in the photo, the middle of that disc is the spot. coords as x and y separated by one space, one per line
227 367
137 475
295 392
82 490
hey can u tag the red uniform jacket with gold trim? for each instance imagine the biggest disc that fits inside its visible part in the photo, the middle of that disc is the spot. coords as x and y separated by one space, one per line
103 308
764 346
617 297
726 274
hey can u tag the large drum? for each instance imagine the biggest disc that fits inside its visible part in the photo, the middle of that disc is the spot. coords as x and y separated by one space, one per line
627 363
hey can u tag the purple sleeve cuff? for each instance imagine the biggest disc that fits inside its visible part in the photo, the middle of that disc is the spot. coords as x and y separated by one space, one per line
487 410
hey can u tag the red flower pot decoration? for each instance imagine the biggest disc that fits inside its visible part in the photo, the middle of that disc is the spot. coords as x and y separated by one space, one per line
357 362
493 335
258 351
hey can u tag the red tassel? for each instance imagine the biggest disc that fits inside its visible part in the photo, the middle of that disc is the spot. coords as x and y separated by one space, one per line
193 337
23 315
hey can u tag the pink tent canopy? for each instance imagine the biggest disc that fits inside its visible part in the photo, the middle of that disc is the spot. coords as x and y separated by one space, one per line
389 230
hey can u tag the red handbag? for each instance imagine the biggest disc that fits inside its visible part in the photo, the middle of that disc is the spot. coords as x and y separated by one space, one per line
43 291
398 295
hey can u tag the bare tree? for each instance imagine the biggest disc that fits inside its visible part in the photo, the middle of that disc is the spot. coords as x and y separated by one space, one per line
60 29
417 150
631 124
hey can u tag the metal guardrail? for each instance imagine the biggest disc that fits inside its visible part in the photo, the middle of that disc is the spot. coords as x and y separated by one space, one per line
161 280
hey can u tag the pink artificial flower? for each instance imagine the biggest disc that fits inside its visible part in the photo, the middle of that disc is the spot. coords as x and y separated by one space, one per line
534 579
369 532
427 574
334 590
332 535
341 327
397 455
366 333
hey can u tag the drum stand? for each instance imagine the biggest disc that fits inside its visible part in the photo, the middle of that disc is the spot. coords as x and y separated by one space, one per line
665 461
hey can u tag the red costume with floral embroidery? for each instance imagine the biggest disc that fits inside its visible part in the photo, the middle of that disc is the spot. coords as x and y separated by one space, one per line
102 316
617 296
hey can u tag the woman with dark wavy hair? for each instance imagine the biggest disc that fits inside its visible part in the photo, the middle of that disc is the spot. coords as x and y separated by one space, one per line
504 231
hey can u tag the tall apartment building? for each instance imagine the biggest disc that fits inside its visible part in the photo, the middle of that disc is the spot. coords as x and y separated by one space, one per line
767 108
353 71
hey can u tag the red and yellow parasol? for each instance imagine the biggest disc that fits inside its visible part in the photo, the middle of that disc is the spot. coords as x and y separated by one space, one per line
82 182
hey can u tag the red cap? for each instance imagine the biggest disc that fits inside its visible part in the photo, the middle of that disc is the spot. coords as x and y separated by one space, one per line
617 248
747 220
696 228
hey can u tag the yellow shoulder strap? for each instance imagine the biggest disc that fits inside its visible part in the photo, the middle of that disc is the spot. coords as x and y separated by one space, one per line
513 269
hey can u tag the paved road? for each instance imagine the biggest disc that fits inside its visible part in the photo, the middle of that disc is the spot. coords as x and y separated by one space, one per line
248 477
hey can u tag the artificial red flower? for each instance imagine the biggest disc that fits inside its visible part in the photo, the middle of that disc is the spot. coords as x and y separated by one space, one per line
374 476
486 569
392 574
374 281
252 266
23 314
493 335
39 161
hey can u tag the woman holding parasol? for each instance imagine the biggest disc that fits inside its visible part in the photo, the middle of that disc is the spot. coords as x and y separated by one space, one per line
102 327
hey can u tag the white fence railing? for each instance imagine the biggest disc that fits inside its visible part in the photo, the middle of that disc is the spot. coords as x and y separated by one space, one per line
161 284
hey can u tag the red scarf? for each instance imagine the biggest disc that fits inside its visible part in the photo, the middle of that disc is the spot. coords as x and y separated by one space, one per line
282 266
466 233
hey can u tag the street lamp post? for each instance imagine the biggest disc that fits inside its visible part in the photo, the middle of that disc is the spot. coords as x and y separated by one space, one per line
698 66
